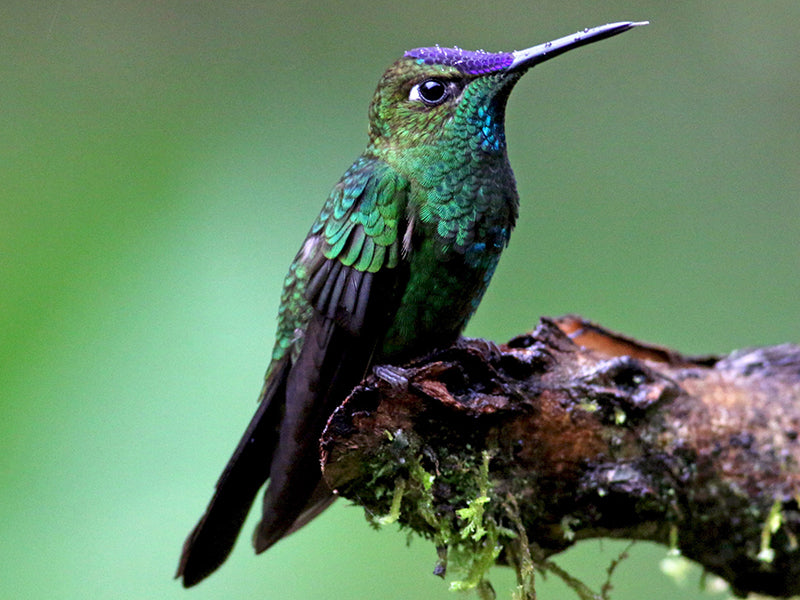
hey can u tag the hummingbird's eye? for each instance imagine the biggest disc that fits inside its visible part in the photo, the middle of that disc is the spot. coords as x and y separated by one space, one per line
430 91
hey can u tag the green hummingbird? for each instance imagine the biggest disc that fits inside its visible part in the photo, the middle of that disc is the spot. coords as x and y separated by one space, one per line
393 268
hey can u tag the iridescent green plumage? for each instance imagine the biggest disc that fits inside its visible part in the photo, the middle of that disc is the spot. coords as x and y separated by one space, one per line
393 267
358 229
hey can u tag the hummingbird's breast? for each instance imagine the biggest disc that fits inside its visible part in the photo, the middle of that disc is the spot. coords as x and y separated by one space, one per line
452 248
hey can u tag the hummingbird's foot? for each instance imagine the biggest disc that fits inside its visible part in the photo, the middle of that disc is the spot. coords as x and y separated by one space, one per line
488 347
394 376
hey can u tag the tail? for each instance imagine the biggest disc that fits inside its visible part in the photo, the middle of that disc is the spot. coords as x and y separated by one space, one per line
212 539
352 311
281 444
330 365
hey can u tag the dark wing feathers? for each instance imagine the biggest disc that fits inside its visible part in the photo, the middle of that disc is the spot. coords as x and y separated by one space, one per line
358 236
353 293
328 367
337 302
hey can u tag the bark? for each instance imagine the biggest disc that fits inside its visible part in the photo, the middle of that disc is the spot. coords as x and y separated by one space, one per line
514 453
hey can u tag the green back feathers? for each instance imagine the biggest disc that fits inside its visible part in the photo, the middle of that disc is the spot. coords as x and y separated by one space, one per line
355 236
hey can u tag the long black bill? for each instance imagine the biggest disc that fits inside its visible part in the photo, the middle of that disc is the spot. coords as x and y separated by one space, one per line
525 59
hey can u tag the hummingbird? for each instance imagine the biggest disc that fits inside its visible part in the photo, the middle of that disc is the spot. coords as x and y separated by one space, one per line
392 268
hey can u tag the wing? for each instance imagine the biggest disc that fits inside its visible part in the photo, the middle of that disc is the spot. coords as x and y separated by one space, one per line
350 275
338 300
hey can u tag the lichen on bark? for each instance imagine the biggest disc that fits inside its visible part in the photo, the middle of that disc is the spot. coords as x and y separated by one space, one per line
511 454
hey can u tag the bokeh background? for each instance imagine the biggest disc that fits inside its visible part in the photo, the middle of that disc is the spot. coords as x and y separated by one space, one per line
160 163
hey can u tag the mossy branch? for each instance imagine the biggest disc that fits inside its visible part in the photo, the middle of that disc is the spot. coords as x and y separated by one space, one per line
573 432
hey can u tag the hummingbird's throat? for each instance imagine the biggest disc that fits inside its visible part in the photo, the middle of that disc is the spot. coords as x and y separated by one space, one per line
481 113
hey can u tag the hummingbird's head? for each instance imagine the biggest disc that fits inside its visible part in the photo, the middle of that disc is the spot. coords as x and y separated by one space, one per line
440 97
431 94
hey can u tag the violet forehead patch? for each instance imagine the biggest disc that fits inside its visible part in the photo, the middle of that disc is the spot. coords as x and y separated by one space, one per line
469 62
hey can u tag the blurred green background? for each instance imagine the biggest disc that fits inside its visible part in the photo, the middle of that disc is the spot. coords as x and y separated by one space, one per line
160 163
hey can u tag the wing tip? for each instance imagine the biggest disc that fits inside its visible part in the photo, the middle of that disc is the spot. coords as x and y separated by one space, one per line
270 530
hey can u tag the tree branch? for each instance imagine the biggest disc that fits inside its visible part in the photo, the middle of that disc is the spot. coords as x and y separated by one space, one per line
573 432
